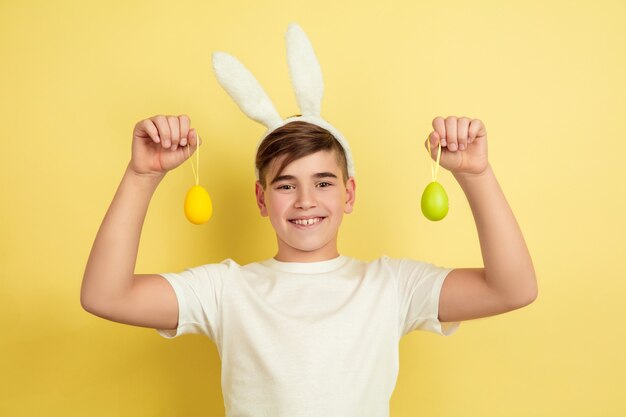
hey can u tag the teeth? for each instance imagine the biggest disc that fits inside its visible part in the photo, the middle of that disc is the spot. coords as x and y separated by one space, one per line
306 222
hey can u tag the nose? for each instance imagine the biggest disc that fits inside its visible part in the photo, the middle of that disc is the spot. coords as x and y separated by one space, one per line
305 199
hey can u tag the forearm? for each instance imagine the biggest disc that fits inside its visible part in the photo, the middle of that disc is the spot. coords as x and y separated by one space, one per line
508 266
110 268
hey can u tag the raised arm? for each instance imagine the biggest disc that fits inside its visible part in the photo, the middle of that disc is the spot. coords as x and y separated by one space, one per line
110 289
507 281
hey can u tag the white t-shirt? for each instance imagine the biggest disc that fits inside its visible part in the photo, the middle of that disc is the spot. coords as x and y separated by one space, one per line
316 339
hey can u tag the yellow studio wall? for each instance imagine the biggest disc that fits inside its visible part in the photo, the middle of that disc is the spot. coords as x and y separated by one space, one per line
547 79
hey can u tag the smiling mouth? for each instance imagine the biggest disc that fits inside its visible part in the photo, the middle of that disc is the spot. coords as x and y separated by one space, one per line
307 222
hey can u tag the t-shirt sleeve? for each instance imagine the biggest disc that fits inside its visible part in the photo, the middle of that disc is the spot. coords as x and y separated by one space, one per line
419 287
199 293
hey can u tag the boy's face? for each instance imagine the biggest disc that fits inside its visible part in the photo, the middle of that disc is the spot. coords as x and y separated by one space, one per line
305 204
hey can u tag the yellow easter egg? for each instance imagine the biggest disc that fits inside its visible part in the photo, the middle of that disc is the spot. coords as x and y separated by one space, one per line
198 206
434 202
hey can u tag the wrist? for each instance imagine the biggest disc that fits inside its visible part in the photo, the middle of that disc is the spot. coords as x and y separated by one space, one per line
471 176
152 178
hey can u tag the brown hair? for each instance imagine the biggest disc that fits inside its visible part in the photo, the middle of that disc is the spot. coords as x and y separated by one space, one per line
297 140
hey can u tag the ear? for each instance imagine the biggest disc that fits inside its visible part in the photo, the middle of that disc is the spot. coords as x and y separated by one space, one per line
260 198
350 195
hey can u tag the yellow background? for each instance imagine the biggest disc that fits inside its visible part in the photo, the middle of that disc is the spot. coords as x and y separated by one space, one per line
547 79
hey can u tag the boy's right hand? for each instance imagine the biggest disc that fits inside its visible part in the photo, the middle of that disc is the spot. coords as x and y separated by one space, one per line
162 143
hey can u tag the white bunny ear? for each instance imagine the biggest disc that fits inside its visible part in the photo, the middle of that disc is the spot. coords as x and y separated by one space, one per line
245 90
305 71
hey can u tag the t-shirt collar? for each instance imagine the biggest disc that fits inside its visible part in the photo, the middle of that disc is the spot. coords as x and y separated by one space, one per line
318 267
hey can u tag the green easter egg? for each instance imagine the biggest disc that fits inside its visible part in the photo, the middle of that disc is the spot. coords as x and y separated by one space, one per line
434 202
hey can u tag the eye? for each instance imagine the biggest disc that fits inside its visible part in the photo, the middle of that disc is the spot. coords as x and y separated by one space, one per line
324 184
284 187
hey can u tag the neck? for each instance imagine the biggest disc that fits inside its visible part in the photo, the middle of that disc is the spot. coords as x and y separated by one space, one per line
287 253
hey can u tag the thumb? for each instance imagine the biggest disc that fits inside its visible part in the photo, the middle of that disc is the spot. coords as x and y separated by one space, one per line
194 138
435 140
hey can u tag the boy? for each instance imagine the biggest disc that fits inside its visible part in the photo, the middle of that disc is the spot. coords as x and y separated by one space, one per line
309 332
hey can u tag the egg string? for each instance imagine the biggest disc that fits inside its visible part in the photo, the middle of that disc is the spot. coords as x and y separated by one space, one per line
195 174
434 166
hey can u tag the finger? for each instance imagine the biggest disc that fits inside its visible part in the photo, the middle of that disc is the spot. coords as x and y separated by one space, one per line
199 139
149 127
164 130
193 138
462 127
440 127
175 130
434 140
476 129
184 122
451 133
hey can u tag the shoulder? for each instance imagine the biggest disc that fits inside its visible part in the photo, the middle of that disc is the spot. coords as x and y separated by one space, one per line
383 265
210 270
405 267
394 263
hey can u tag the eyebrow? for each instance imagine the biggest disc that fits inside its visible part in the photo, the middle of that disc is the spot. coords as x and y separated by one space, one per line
319 175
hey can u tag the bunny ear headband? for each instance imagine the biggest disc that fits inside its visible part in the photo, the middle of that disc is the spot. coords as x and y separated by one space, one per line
306 77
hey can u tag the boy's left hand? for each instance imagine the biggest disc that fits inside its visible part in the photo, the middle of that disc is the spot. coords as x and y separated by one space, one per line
463 144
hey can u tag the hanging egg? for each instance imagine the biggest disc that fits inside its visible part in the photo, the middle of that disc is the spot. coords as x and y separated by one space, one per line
434 202
198 206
